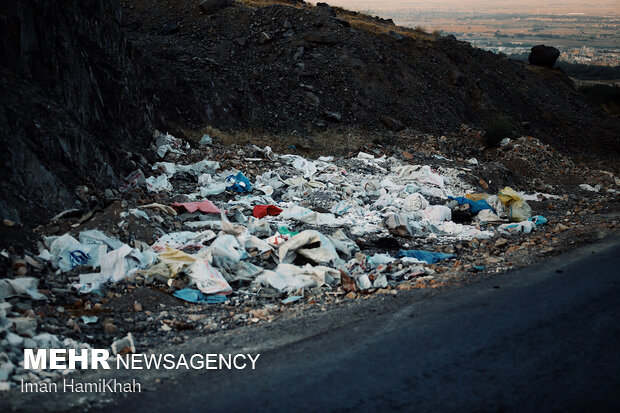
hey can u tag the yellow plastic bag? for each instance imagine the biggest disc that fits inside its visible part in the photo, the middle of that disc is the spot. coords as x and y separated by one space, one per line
518 209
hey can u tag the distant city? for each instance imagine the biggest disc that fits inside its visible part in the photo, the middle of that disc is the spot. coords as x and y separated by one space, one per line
591 37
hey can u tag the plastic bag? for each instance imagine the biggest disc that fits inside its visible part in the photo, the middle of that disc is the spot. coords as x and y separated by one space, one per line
261 211
474 206
438 213
324 253
208 279
205 206
518 209
26 286
415 202
426 256
194 296
158 184
343 243
509 229
238 183
228 246
290 278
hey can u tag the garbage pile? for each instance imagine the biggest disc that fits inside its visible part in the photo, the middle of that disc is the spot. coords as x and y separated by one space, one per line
217 225
293 227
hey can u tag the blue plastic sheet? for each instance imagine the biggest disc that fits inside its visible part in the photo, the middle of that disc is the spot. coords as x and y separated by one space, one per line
195 296
474 206
238 183
292 299
428 256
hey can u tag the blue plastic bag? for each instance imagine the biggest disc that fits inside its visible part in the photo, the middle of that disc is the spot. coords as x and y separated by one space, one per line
538 220
195 296
238 183
474 206
428 256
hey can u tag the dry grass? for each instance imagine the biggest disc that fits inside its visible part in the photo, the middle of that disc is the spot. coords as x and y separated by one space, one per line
359 21
264 3
328 142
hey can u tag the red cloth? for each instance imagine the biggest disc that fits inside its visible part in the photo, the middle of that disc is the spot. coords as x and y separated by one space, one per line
261 211
205 206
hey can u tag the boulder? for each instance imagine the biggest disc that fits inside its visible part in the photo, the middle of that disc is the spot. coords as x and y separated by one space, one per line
542 55
326 9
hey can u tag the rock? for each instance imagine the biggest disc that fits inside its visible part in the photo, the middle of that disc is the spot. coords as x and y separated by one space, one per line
501 242
213 6
542 55
299 53
350 295
312 99
457 78
263 38
170 28
8 223
343 23
560 228
14 340
392 124
109 328
326 9
24 325
397 35
322 37
137 306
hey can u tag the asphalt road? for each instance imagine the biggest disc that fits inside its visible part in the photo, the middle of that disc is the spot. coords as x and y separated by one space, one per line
545 338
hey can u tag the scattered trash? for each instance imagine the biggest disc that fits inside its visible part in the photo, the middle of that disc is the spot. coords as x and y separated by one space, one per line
195 296
518 210
25 286
292 299
261 211
314 231
205 140
509 229
124 345
426 256
474 206
538 220
205 206
238 183
590 188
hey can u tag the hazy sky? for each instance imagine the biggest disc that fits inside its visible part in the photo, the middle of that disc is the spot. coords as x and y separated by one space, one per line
603 7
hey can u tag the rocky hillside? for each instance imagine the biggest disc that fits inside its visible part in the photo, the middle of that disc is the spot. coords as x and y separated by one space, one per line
83 86
296 67
71 101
